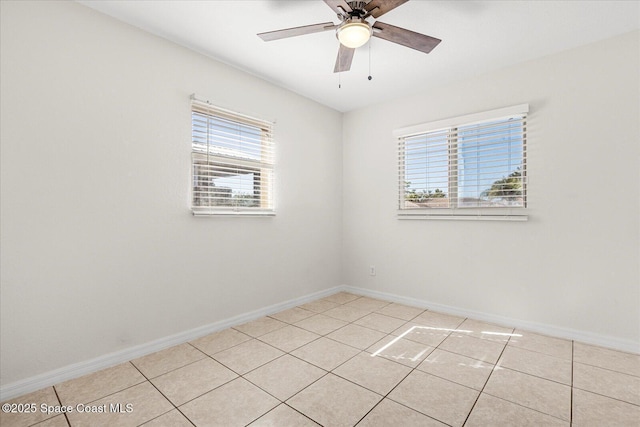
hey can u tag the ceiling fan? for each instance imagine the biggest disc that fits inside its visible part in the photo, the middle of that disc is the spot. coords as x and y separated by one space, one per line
354 30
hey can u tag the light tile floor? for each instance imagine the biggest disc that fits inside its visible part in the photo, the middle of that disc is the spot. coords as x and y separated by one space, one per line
347 360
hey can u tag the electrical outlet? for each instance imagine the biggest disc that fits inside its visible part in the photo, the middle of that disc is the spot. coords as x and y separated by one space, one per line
372 270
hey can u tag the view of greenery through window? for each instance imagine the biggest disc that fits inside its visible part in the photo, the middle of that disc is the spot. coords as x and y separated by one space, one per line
479 165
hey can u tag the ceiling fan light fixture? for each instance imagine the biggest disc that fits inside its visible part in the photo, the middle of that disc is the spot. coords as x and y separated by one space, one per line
354 33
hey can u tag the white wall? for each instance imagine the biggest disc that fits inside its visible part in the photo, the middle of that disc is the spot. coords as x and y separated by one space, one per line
574 266
99 250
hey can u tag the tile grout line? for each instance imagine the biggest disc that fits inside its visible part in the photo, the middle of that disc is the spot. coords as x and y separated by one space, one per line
539 352
608 369
174 369
606 396
294 409
487 381
536 376
163 395
60 402
234 345
572 388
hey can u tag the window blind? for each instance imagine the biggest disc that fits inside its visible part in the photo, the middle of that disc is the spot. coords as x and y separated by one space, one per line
232 162
458 165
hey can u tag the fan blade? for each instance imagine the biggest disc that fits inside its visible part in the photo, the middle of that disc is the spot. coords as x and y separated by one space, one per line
378 8
296 31
405 37
338 6
343 61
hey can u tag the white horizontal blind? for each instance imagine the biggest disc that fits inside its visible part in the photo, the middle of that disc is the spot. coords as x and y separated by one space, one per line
479 165
232 159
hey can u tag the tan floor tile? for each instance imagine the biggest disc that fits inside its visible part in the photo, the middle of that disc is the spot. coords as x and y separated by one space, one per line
374 373
429 335
333 401
439 320
538 364
484 330
170 419
57 421
341 297
356 336
167 360
259 327
491 411
608 383
285 376
366 303
292 315
380 322
99 384
459 369
191 381
399 350
34 415
551 346
593 410
319 306
389 413
289 338
348 314
283 416
325 353
237 403
220 341
443 400
484 350
146 403
400 311
321 324
533 392
626 363
247 356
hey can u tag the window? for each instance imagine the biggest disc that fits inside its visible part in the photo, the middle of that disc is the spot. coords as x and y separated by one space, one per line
467 166
232 162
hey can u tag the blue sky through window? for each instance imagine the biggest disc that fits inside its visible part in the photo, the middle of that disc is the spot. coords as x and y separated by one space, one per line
486 154
472 162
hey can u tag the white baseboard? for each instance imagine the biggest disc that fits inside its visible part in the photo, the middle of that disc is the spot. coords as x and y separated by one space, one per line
47 379
541 328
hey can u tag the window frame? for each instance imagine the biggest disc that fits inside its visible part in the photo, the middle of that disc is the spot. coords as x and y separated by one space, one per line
216 161
510 213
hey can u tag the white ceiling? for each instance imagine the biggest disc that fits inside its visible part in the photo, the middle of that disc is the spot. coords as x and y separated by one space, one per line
478 37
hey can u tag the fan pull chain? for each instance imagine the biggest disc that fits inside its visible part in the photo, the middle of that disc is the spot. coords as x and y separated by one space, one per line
369 61
339 72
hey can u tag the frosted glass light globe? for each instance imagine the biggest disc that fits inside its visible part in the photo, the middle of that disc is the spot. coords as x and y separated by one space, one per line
354 34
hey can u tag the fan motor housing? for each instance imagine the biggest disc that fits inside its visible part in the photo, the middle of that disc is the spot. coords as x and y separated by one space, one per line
357 10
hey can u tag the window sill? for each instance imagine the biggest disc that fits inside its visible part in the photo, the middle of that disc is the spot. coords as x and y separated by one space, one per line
232 213
466 215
